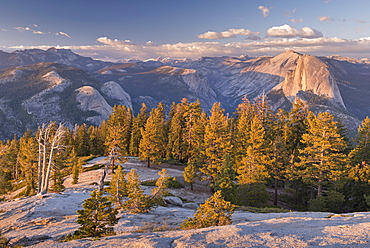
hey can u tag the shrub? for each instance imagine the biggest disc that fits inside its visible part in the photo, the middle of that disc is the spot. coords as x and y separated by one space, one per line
214 212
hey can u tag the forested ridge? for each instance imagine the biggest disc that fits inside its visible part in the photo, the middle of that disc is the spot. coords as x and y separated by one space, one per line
240 154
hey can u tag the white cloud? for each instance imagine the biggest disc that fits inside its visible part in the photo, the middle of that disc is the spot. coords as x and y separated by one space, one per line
23 29
231 33
115 50
34 31
3 29
296 20
63 34
325 18
264 11
287 31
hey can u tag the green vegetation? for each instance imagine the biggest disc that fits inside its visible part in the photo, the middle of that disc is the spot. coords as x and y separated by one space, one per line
305 154
97 218
214 212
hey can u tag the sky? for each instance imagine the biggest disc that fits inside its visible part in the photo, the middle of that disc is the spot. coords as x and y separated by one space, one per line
118 30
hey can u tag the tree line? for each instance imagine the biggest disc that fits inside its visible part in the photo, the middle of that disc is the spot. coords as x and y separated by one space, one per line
306 155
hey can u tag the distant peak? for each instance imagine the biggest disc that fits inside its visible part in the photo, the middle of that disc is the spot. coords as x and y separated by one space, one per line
52 49
291 52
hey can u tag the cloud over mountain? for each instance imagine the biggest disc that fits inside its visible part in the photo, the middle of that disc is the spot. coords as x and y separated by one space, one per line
114 49
287 31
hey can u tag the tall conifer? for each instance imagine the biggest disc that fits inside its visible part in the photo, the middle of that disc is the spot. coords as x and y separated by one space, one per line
154 137
322 160
216 142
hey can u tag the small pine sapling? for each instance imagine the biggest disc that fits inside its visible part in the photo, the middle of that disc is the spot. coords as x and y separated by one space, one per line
161 189
97 218
137 202
214 212
118 187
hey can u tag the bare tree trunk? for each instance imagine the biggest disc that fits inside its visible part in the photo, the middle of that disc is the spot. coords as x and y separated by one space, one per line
105 172
48 148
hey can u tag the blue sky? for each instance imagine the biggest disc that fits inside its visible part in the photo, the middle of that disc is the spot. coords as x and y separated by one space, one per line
120 30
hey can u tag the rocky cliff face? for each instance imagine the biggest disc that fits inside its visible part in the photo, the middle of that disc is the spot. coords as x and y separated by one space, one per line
91 100
114 91
44 92
310 74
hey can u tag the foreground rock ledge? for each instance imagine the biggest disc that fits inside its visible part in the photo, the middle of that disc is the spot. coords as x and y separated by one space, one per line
352 230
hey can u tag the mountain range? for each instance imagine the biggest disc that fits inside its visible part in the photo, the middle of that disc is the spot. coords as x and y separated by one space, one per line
38 86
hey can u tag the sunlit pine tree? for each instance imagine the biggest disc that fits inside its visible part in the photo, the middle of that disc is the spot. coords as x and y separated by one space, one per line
119 129
137 202
154 136
322 159
254 164
360 155
214 212
177 146
138 124
118 187
244 115
27 158
216 142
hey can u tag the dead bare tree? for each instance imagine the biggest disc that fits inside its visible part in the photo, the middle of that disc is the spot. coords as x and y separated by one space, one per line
49 140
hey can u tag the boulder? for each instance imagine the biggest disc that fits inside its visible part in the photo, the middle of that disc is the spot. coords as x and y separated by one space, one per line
173 200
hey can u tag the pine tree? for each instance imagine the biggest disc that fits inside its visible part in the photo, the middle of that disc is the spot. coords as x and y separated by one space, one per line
225 180
75 164
253 167
214 212
119 129
190 174
322 159
137 202
5 171
96 143
97 218
162 185
360 158
153 143
27 158
81 140
195 122
216 142
245 113
10 158
177 146
118 186
361 153
137 125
